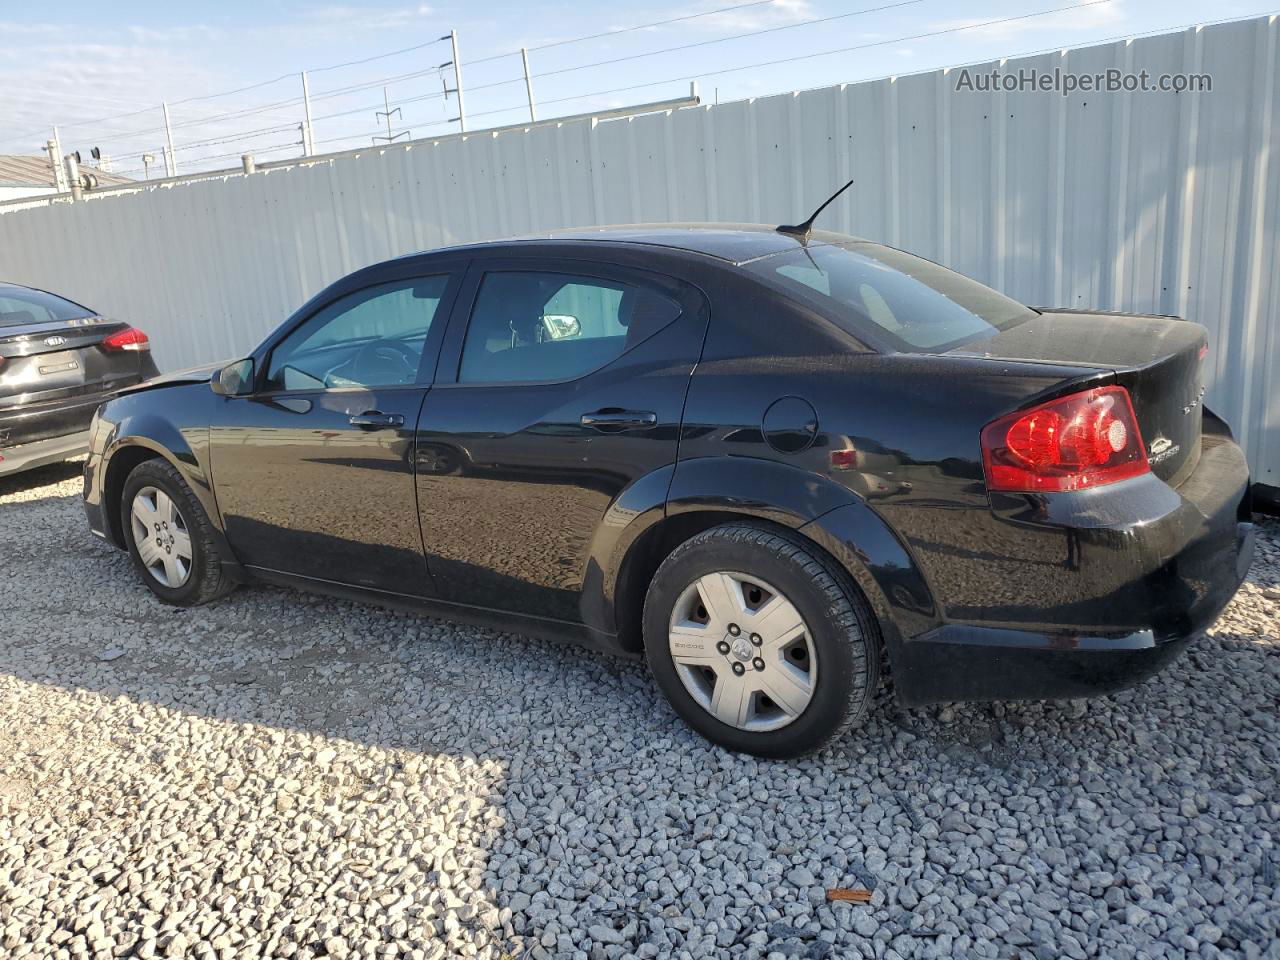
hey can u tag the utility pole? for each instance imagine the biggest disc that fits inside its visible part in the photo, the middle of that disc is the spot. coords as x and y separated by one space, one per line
388 114
457 82
170 161
528 83
55 161
308 137
73 175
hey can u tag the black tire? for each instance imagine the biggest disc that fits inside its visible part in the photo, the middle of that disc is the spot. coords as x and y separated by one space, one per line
207 580
839 624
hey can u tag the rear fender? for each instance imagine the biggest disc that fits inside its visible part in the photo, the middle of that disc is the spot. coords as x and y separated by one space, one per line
660 509
639 530
883 568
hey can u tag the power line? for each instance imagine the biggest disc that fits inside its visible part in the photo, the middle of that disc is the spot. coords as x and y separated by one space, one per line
370 59
749 66
683 46
243 89
707 43
732 69
584 66
805 56
642 26
521 106
735 69
275 105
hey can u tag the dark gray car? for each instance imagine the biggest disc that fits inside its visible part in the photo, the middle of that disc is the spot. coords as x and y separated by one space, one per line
58 362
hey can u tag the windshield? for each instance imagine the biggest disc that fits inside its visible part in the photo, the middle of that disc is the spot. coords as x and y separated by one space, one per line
20 305
878 293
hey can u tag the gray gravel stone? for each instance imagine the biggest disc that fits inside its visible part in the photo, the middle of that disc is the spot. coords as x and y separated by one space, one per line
292 776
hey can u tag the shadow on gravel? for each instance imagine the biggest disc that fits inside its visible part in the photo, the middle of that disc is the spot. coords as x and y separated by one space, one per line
32 480
387 777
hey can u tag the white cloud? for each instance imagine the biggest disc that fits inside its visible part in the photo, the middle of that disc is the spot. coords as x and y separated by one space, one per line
8 28
1076 19
162 35
760 17
365 18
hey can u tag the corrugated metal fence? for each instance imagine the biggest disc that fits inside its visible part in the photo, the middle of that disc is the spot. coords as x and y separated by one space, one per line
1129 201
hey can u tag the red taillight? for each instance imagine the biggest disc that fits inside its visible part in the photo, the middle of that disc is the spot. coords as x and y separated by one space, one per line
130 338
1085 440
845 459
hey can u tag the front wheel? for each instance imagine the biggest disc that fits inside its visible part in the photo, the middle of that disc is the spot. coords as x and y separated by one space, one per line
761 643
170 537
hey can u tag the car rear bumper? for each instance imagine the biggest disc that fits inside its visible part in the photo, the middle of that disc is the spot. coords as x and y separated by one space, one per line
53 450
1160 565
30 423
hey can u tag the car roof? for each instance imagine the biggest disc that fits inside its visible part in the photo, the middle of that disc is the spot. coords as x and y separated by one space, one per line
735 243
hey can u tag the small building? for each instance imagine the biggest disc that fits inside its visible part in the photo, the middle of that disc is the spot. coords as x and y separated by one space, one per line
23 176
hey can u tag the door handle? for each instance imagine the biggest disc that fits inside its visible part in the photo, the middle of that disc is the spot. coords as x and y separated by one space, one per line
620 418
375 418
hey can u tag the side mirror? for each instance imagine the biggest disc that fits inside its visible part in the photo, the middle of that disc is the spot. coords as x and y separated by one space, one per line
560 326
233 380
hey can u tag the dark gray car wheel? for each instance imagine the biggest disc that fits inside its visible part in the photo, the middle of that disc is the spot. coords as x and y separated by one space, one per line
761 642
169 536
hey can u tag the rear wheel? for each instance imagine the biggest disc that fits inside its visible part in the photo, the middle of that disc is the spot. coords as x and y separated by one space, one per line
169 536
762 644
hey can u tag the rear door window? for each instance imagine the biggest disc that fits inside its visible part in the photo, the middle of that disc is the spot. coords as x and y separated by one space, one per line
543 326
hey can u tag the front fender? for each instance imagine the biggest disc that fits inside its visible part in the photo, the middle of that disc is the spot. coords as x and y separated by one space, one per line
131 424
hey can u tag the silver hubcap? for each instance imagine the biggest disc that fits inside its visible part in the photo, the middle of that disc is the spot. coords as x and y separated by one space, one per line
743 651
161 536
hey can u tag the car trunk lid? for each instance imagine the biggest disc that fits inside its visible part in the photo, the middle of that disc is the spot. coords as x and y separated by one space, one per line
1159 360
50 369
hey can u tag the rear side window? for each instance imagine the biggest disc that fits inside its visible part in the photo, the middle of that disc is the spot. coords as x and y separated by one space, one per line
871 290
19 305
530 326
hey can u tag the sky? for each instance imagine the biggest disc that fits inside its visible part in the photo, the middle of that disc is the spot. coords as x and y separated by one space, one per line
101 70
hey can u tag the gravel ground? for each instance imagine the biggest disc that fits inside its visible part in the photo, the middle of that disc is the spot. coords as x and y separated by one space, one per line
282 775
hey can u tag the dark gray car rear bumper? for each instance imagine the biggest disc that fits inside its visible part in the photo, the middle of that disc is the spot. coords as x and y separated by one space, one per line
42 452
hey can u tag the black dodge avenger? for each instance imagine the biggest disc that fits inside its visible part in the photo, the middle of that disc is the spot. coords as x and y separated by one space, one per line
776 463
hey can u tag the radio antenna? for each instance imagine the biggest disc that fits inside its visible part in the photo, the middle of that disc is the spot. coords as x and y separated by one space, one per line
801 231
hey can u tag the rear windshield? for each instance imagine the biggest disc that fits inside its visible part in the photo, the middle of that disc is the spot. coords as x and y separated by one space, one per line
18 305
878 293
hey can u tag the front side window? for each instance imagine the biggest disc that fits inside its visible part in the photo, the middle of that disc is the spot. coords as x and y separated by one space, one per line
19 305
371 338
531 326
871 290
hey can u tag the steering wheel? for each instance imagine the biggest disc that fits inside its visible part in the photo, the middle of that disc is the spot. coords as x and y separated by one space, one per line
384 363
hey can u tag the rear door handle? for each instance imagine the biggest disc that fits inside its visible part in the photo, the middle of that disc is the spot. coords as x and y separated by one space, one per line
620 418
375 418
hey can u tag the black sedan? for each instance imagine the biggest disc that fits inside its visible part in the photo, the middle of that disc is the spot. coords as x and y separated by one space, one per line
58 362
775 463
